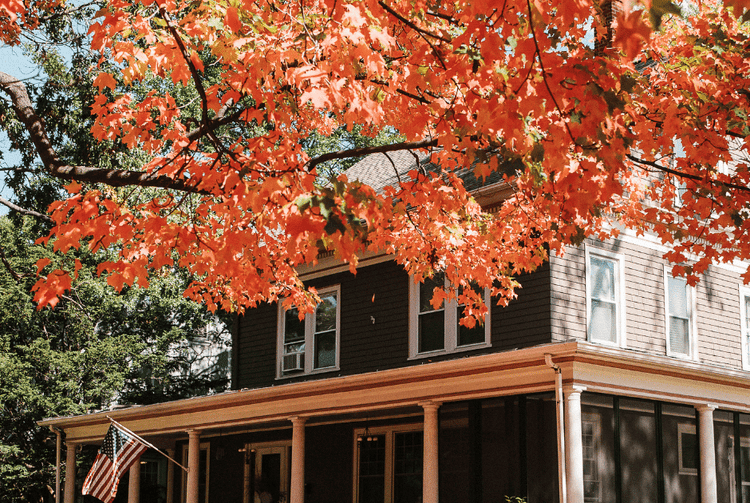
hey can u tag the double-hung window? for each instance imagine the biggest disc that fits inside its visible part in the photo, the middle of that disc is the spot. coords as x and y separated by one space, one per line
310 344
604 298
434 330
679 316
745 323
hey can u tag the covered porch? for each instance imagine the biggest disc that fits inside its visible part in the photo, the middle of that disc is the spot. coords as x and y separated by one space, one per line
456 424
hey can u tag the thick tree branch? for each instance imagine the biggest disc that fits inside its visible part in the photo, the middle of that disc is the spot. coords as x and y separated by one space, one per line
680 174
358 152
54 166
24 211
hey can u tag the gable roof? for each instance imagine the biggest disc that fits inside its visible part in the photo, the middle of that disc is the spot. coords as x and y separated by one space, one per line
381 170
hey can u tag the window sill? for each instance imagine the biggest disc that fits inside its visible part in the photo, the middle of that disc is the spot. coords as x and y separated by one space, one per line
441 352
311 373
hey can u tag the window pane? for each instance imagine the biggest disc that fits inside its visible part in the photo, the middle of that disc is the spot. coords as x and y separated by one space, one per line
689 453
602 275
679 335
294 328
426 292
431 327
372 469
468 335
325 349
325 313
603 323
407 467
677 297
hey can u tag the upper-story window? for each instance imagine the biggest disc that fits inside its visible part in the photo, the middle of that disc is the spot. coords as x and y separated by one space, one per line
310 344
437 330
679 316
745 323
604 298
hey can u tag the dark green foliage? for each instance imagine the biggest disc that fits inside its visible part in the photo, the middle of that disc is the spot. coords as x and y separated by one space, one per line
94 349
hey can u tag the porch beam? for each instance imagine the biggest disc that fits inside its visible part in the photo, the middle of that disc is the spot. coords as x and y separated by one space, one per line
430 465
70 471
297 484
709 493
134 482
573 444
194 463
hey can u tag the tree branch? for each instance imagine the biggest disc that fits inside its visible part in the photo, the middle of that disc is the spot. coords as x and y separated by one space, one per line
24 211
5 262
410 24
358 152
680 174
55 167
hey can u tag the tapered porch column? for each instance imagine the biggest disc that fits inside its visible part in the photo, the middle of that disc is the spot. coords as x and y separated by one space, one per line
297 484
134 482
707 453
170 477
573 444
70 472
430 466
194 466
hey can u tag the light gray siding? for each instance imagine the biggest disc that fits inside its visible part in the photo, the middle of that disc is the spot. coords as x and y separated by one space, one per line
717 309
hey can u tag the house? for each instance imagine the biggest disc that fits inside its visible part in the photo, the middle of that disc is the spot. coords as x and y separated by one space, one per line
606 380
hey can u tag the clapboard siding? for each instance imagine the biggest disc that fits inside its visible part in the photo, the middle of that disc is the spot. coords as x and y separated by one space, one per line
716 302
375 325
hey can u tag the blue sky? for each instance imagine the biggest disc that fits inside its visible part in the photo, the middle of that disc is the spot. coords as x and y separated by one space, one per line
13 62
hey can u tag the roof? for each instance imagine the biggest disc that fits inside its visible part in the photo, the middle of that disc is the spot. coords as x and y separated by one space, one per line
382 170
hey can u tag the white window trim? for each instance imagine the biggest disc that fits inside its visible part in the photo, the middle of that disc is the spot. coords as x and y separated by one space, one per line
619 292
389 432
744 329
309 339
450 330
692 324
689 429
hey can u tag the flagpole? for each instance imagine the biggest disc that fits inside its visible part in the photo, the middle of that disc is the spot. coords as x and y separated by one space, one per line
149 444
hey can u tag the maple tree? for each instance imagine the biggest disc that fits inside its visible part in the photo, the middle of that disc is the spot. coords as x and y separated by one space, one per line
641 122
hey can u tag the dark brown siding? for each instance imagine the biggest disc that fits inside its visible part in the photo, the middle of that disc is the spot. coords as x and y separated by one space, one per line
375 325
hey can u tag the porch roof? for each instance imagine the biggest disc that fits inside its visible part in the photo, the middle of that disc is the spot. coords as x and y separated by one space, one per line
597 368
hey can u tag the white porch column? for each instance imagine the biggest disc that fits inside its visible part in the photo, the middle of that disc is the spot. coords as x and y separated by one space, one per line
297 484
134 482
430 466
194 466
170 477
707 453
70 472
573 444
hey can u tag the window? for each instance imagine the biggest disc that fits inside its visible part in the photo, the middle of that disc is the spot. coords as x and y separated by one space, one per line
388 465
434 331
687 446
604 295
312 343
679 314
591 439
745 323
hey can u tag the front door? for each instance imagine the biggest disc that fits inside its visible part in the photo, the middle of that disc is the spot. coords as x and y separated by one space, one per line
266 473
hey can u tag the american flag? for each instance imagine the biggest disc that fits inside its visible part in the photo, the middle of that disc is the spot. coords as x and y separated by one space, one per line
117 454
